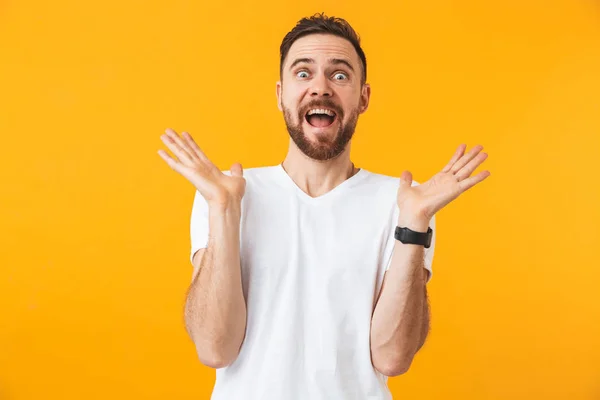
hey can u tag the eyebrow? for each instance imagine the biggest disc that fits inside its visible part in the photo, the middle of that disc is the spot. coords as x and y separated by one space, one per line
334 61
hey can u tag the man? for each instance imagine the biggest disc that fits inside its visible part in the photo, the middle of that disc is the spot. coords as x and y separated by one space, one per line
310 276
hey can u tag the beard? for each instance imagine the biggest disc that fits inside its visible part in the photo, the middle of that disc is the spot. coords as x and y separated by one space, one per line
325 148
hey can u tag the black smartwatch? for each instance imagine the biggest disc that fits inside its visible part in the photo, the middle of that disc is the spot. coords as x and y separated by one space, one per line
408 236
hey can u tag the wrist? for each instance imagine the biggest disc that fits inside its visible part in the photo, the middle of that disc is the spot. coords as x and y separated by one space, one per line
229 208
417 224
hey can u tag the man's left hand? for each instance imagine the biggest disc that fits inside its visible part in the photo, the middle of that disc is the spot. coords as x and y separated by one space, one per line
418 204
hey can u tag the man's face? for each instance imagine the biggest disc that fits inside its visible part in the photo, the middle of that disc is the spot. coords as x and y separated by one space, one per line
321 94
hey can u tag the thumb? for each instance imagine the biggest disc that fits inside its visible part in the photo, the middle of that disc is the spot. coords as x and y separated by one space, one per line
405 180
236 170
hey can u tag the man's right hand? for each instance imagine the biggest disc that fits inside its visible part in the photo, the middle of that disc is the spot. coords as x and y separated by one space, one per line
218 189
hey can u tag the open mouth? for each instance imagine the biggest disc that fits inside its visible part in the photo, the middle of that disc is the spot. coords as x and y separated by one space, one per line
320 117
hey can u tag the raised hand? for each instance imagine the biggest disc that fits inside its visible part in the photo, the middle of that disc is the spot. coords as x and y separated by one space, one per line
421 202
217 188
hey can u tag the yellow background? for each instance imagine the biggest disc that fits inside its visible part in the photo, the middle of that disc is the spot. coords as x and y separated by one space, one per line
95 226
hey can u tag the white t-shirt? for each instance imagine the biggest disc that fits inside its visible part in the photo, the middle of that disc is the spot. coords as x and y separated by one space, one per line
311 271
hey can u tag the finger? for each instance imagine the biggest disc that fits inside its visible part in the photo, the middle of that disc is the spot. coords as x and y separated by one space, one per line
458 154
176 145
468 169
194 147
406 179
181 143
176 150
237 170
472 181
174 164
466 158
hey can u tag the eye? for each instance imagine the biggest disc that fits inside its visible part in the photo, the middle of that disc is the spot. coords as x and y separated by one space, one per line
302 74
340 76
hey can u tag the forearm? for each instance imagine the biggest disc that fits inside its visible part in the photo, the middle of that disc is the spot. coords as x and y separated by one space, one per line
215 310
400 320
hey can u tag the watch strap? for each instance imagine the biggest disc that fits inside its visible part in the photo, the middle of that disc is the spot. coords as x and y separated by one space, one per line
408 236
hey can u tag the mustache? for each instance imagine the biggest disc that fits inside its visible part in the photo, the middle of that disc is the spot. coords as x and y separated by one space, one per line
323 103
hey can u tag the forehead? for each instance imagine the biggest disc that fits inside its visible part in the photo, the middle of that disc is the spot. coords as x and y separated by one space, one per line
322 47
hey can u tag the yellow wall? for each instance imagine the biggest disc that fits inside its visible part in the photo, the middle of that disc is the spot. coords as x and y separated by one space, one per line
94 225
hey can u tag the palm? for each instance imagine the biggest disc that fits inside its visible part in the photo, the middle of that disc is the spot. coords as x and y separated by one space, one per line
215 186
428 198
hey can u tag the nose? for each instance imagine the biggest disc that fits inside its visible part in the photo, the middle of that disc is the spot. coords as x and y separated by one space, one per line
320 87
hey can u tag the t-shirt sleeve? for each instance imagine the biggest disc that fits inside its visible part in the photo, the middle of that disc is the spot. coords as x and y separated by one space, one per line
198 225
428 257
429 251
199 222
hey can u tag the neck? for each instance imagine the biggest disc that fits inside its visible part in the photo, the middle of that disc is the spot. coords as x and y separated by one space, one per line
315 177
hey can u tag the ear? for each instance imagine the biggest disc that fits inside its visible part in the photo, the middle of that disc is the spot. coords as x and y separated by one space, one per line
278 93
365 96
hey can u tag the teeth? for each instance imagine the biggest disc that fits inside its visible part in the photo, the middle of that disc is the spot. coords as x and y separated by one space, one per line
321 111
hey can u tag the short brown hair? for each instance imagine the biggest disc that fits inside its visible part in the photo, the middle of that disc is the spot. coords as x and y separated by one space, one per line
320 23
